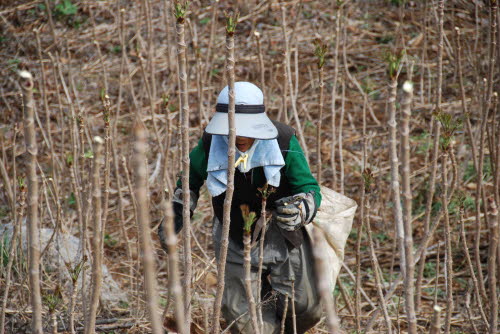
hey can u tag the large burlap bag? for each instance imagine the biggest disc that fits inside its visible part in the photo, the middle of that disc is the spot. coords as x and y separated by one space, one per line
334 220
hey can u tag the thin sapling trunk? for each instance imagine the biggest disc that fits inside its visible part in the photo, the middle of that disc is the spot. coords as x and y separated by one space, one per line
435 152
143 221
231 22
320 53
26 81
174 280
407 218
394 66
249 219
97 252
265 191
180 14
449 126
436 321
293 96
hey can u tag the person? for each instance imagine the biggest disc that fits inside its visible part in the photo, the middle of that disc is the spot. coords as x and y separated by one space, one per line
266 152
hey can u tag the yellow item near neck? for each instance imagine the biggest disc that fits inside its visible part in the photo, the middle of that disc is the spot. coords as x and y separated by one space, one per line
241 159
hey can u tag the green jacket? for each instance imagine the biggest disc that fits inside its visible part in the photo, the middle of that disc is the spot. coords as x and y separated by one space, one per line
296 170
296 178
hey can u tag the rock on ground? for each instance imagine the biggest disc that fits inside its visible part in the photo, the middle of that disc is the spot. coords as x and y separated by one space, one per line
65 248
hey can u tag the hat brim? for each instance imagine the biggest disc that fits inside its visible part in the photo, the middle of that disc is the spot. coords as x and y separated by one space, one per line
257 126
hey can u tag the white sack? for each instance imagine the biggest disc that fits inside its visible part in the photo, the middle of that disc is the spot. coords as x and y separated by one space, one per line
334 219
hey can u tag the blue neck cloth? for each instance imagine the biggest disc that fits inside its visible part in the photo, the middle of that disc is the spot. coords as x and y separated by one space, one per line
263 153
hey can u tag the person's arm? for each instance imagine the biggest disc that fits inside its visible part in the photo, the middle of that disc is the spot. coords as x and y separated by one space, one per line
197 176
197 168
298 173
295 211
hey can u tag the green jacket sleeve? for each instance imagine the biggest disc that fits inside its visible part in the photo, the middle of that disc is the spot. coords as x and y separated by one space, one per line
298 173
197 168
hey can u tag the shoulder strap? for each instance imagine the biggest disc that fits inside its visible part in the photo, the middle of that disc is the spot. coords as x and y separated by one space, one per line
207 140
285 133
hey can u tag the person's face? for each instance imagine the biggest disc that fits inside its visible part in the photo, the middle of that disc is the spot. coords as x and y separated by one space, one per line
244 143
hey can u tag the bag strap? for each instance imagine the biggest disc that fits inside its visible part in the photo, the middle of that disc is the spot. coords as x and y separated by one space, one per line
285 133
207 140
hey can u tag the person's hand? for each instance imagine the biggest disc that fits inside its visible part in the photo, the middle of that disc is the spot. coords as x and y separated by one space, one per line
177 209
295 211
162 235
177 205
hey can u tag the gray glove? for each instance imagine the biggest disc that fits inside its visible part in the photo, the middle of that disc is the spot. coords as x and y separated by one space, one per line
295 211
193 198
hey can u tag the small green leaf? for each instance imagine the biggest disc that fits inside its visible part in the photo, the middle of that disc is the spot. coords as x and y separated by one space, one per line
75 271
162 302
204 20
53 300
66 8
248 217
385 39
393 61
4 211
368 179
320 51
430 270
180 10
21 182
165 99
266 190
14 61
450 125
72 199
308 15
381 236
89 154
123 304
109 240
231 22
4 251
69 159
397 2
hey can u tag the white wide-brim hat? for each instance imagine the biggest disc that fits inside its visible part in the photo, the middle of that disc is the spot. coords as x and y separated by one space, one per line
250 117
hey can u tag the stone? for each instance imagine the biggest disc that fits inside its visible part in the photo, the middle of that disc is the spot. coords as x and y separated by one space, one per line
65 248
